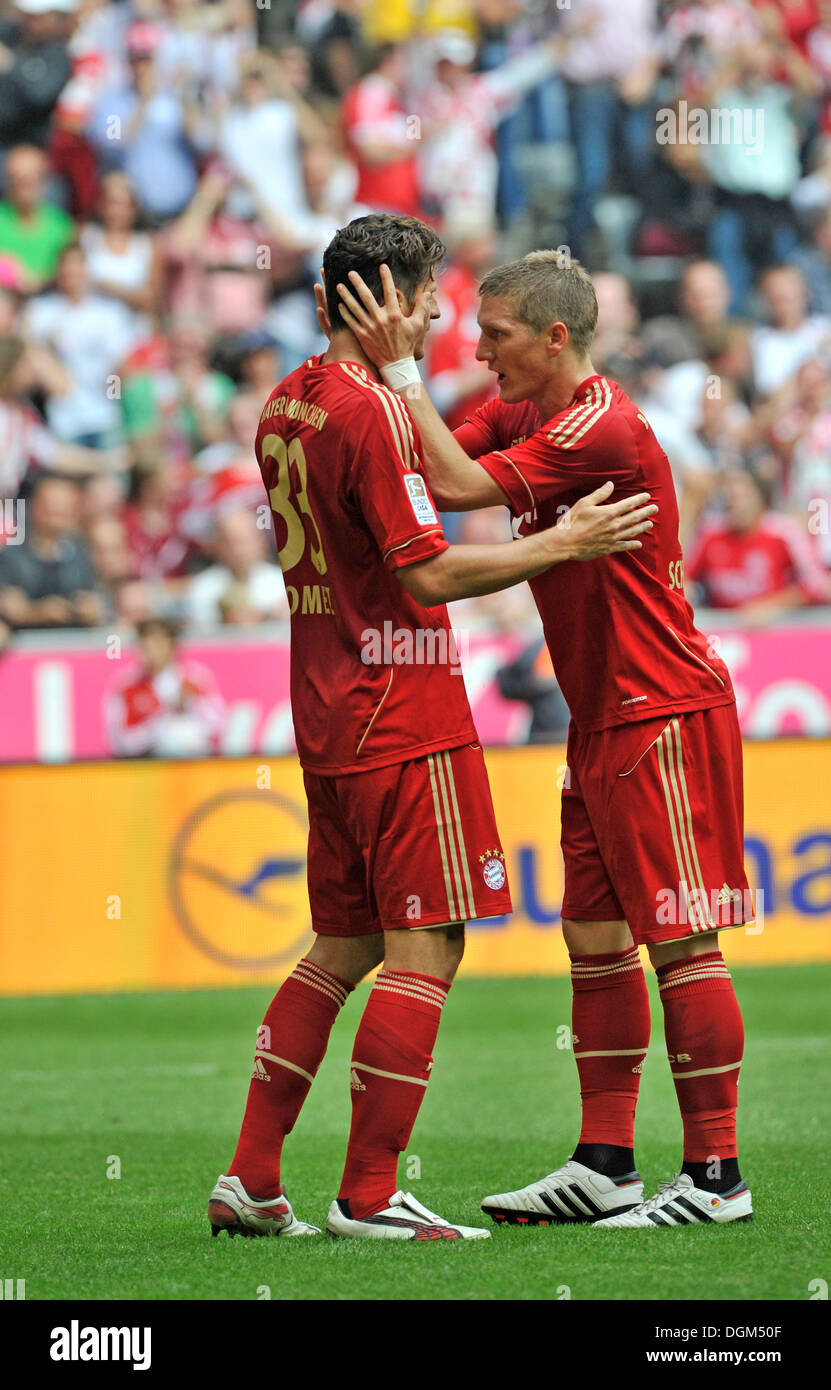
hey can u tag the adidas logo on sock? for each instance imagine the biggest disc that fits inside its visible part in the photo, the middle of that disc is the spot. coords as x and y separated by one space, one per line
260 1072
355 1082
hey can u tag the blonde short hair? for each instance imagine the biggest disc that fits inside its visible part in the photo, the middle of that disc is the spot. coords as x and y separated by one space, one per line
548 287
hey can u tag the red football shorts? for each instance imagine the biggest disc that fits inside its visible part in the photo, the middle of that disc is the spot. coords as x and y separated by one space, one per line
412 845
652 826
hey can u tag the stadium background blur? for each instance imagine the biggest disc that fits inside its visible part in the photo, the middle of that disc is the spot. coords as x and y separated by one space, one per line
170 174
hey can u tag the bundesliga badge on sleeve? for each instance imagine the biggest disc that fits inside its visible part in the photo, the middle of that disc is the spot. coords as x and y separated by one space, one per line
493 868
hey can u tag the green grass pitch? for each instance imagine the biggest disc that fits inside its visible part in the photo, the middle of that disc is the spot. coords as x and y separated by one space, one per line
158 1081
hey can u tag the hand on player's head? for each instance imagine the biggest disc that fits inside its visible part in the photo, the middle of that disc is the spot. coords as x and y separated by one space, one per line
385 332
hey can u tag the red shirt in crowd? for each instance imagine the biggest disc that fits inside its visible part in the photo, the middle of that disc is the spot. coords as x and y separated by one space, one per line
372 111
177 708
158 550
735 568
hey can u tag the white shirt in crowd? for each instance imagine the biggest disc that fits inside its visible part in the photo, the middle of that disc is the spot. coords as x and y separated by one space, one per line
129 269
261 145
778 353
607 39
679 392
91 337
264 590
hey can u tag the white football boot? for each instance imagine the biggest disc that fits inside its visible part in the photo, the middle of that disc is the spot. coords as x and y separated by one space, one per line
403 1219
680 1203
570 1194
231 1209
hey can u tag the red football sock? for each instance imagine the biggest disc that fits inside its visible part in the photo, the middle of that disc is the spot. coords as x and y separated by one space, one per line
391 1062
705 1042
610 1021
291 1044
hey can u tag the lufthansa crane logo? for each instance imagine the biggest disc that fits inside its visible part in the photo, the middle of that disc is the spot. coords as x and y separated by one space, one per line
237 881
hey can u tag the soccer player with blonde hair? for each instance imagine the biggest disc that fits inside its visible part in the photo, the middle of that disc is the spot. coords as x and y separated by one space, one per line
652 812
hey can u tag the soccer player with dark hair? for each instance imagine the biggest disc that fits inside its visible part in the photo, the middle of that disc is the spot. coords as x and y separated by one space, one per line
403 847
652 814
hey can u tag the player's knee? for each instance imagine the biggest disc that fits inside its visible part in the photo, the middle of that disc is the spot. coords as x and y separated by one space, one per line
434 951
596 938
350 958
454 947
664 952
373 952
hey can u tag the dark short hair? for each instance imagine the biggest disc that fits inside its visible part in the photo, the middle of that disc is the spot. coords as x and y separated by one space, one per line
410 248
754 469
45 478
169 626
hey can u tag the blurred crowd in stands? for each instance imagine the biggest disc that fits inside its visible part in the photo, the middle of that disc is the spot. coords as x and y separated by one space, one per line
172 169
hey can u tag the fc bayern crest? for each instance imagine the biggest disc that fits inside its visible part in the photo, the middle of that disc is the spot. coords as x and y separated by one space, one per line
493 868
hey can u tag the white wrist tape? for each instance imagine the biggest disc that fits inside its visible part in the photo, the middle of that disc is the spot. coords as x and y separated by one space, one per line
401 374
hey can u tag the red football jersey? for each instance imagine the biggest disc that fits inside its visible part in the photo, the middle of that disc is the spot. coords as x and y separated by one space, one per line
375 678
619 629
736 568
372 111
142 710
497 426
